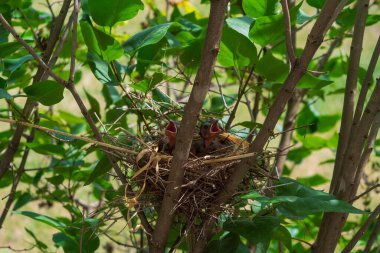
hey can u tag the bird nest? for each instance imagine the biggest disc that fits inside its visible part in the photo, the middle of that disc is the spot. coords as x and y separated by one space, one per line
204 178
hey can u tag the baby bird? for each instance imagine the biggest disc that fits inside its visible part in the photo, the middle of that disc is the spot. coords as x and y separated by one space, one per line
208 132
167 143
215 142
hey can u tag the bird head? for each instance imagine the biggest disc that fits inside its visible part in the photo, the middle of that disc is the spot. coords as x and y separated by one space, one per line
171 133
209 131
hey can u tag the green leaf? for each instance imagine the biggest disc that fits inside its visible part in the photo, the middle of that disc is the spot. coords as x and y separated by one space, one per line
4 94
95 107
236 50
217 103
107 13
101 69
67 243
146 37
8 48
304 201
39 244
43 218
240 24
101 168
259 8
306 122
327 122
24 199
148 83
12 65
313 180
56 180
270 29
372 19
227 243
258 230
46 92
249 124
273 69
100 43
316 3
309 81
47 149
296 201
313 142
298 154
282 235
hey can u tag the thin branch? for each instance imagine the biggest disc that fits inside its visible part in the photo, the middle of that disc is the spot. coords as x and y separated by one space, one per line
74 41
53 131
59 48
17 250
366 153
373 236
288 33
365 192
366 84
55 31
240 96
50 9
362 230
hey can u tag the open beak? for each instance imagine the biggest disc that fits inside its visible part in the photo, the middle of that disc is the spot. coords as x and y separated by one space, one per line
214 129
171 132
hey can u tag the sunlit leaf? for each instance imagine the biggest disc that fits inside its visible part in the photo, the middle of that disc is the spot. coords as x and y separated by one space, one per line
107 13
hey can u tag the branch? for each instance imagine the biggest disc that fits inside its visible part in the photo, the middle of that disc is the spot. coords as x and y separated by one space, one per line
373 236
289 124
241 93
53 38
362 230
366 153
74 42
350 90
366 84
288 33
104 145
364 193
198 93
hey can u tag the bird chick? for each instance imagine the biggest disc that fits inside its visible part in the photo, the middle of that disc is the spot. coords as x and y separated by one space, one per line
208 132
167 144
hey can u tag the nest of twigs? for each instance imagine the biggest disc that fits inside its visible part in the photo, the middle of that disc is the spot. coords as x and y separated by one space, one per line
204 178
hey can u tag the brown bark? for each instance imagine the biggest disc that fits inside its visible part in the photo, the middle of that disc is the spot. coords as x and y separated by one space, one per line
289 124
373 236
362 230
350 90
198 93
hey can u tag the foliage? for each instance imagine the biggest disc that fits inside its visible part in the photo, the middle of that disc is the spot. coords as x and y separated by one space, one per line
141 73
